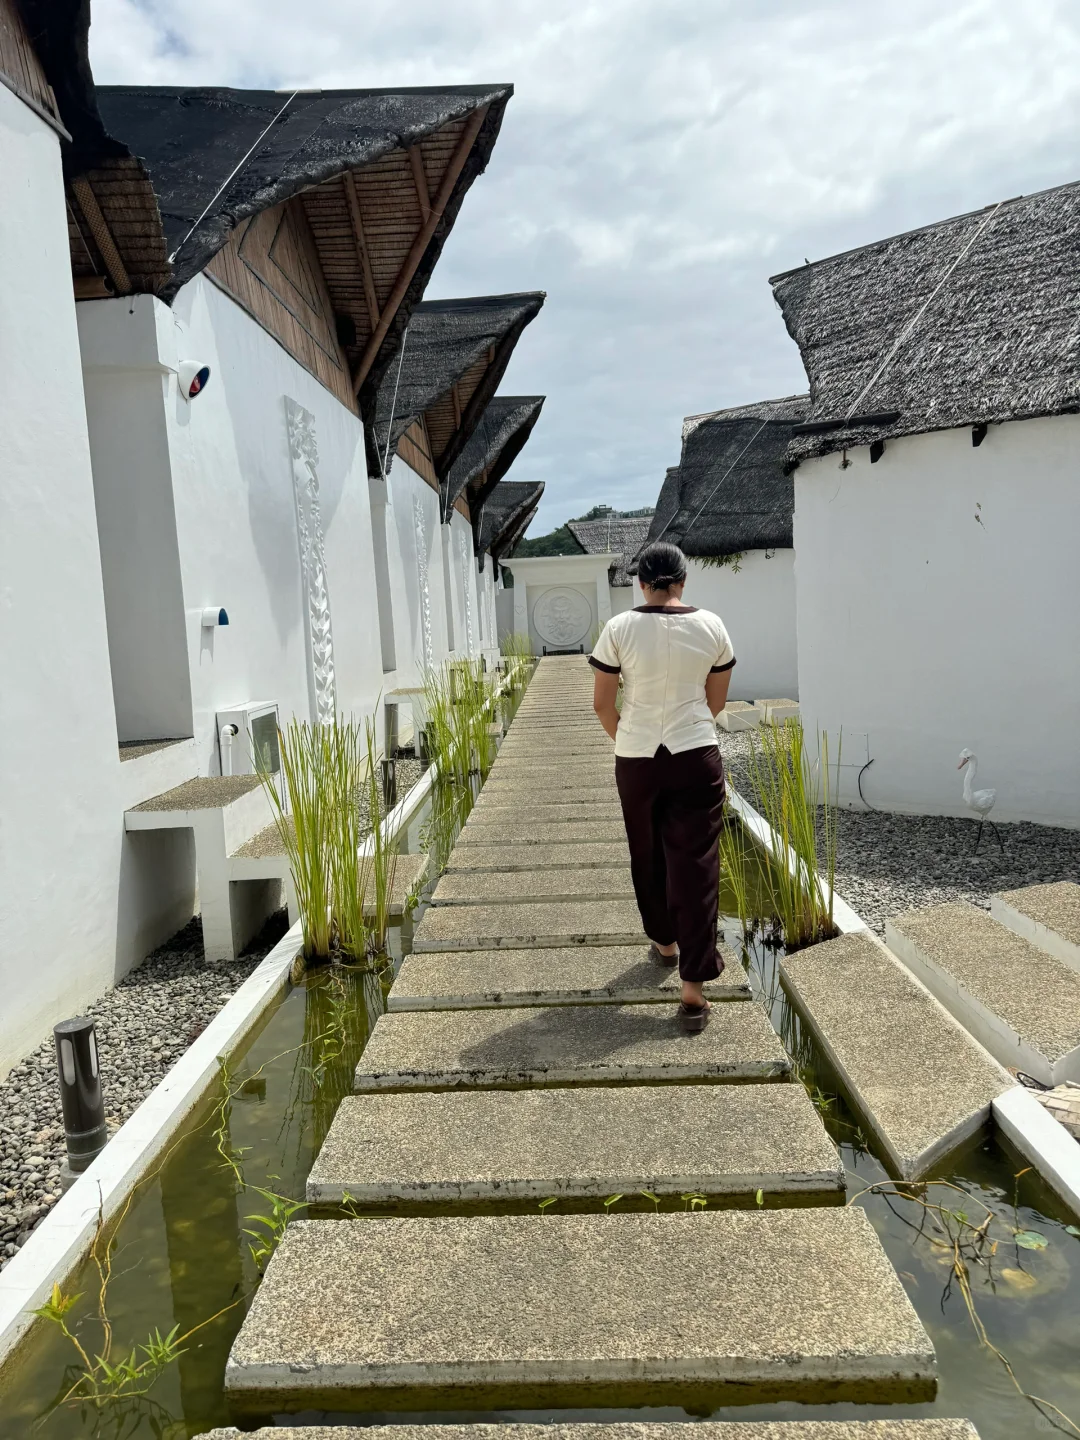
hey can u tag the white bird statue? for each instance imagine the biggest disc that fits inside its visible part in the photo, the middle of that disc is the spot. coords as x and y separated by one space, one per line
979 802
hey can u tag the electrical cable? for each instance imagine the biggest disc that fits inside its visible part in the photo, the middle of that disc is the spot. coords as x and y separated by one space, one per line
383 459
862 797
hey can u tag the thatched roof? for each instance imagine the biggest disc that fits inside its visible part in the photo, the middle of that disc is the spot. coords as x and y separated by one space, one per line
58 31
495 444
998 342
504 516
729 492
378 176
621 535
455 354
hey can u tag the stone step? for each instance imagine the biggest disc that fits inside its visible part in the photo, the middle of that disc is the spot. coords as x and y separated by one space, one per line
551 772
637 1430
1047 915
508 858
1020 1002
529 926
921 1083
527 816
535 1311
534 795
584 744
572 975
521 887
499 1049
493 1145
506 830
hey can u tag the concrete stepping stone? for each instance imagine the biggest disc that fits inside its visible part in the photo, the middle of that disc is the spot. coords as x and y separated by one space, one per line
537 1311
500 1049
520 887
510 858
526 816
556 769
627 1430
570 975
509 830
1047 915
1018 1001
920 1081
536 796
529 926
493 1145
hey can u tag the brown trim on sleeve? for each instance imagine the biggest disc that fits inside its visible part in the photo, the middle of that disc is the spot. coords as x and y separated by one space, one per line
607 669
719 669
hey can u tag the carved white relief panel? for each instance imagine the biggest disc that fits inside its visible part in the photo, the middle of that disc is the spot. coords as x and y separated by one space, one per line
420 530
304 455
562 617
466 585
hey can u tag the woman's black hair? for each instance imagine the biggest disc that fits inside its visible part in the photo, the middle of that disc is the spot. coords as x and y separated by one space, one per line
661 565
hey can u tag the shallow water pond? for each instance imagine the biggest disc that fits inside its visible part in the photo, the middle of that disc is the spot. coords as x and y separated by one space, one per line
182 1254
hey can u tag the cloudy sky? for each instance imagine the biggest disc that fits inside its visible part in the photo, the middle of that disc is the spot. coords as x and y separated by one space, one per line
660 159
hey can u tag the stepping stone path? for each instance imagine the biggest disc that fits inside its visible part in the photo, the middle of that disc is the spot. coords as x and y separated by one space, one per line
1021 1002
625 1430
531 1053
921 1081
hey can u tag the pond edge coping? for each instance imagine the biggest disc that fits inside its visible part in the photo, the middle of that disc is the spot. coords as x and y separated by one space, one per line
64 1237
1041 1140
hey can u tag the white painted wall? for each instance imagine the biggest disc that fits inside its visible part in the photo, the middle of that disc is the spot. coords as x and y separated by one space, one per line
66 870
937 609
537 579
757 605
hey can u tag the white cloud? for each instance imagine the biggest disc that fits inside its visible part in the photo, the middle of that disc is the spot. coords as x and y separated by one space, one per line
659 160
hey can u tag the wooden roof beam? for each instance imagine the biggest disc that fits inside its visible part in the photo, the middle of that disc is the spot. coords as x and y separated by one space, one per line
420 244
455 396
419 175
103 238
357 219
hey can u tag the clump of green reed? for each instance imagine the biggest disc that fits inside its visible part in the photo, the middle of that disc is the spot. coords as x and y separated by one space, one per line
799 802
379 856
458 703
518 659
302 818
343 883
737 856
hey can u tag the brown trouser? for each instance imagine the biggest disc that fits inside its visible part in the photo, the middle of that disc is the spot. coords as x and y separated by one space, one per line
673 808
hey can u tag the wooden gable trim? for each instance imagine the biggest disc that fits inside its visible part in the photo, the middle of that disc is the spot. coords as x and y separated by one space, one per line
270 267
22 72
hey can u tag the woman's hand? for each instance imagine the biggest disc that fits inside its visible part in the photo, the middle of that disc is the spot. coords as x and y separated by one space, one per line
605 693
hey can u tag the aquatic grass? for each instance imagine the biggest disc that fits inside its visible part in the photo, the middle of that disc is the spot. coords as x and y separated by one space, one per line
377 866
736 856
345 774
303 823
459 703
799 802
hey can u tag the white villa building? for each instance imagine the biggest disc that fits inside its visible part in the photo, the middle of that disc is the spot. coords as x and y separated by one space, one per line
212 509
728 506
937 508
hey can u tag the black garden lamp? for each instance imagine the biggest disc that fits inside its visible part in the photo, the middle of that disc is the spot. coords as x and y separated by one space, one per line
80 1091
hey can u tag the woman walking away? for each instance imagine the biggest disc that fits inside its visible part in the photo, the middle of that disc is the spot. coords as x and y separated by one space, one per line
675 664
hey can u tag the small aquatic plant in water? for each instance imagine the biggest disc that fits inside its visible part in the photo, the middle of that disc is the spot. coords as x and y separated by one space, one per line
799 802
459 702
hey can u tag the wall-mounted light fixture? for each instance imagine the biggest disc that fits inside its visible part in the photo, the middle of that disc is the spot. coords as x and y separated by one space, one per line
194 377
214 615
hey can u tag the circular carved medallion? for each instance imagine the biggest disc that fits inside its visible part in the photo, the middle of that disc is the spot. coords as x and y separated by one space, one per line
562 617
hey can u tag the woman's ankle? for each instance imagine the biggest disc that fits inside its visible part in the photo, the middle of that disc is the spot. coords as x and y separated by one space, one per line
692 994
669 949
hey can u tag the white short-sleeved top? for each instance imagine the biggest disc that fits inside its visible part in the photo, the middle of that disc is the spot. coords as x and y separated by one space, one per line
663 656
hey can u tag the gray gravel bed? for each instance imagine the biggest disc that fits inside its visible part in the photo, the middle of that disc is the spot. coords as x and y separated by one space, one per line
144 1024
888 863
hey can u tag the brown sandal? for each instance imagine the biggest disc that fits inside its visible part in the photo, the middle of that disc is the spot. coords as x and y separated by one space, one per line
659 959
693 1018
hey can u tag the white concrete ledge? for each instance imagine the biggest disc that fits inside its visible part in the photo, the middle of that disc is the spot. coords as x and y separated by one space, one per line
1043 1141
59 1243
63 1237
1028 927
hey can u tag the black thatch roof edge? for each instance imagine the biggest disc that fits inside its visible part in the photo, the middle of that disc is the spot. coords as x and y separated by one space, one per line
500 435
730 484
979 410
506 506
515 533
521 309
59 32
636 527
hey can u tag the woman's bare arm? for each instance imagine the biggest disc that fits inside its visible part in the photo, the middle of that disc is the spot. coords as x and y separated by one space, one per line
716 688
605 692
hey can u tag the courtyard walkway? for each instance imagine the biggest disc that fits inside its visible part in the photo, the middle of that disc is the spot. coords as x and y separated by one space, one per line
579 1204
